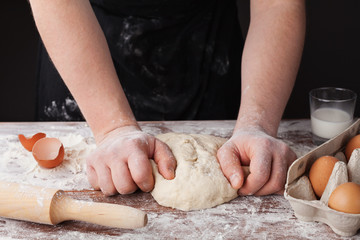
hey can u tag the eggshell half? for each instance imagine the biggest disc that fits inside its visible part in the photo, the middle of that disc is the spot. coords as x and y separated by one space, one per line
48 152
28 143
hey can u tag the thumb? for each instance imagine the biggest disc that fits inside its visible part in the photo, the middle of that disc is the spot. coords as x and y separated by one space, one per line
229 160
165 160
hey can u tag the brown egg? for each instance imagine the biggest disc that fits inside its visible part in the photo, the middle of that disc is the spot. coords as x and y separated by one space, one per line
320 173
346 198
351 145
28 143
48 152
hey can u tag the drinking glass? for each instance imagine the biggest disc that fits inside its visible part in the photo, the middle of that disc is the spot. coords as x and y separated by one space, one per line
332 111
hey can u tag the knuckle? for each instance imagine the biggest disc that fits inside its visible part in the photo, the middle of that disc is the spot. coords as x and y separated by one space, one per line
226 156
221 152
90 159
267 142
164 156
89 170
284 149
229 167
137 160
99 156
140 141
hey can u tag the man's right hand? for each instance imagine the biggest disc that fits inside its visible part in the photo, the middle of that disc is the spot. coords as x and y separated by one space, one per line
120 163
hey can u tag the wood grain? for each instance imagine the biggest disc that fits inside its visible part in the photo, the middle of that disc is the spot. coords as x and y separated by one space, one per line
246 217
51 206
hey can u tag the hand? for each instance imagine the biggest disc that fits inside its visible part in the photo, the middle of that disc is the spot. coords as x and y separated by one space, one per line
121 161
268 158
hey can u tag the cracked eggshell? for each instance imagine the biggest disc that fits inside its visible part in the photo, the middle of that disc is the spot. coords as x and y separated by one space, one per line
307 209
28 143
48 152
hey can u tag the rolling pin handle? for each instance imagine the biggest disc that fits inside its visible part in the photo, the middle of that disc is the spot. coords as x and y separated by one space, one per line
105 214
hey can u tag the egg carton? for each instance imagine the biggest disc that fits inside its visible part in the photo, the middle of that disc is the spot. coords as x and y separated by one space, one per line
299 192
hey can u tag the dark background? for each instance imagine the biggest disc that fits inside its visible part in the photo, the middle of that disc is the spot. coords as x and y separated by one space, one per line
331 56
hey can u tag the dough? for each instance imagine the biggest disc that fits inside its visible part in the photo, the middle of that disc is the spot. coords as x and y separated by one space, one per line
199 182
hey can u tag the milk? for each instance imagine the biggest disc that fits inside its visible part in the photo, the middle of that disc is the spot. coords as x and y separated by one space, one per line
328 122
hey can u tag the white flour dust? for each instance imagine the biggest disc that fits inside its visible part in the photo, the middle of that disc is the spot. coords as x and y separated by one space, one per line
18 165
62 110
269 217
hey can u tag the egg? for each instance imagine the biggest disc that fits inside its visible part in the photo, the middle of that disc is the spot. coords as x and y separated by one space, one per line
346 198
48 152
320 172
351 145
28 143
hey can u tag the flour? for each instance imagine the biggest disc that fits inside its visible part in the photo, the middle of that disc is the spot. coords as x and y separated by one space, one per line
289 130
260 217
18 165
64 110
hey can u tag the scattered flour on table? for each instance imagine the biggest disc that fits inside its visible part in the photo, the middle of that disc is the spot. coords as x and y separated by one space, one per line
288 132
244 216
18 165
247 215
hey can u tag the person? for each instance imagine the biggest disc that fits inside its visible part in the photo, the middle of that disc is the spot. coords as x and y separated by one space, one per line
125 61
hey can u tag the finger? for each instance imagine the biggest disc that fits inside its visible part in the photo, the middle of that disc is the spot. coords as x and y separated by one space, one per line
230 165
141 170
105 181
260 170
92 177
122 179
277 178
165 160
282 159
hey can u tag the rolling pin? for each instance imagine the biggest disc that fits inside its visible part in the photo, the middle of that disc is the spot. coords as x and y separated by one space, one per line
51 206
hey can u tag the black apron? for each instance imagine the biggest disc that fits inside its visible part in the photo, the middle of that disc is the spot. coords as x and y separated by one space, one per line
176 60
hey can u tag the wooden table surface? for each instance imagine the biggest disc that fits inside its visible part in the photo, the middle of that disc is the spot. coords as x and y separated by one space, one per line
269 217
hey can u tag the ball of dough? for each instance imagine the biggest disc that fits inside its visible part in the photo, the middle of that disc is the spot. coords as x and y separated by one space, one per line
199 182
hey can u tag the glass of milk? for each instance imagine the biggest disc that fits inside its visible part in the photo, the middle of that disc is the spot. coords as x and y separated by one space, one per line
332 111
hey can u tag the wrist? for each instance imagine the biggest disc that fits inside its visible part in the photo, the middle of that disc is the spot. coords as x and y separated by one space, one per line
257 122
115 125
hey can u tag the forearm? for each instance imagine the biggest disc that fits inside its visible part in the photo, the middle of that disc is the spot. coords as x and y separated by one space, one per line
270 61
78 48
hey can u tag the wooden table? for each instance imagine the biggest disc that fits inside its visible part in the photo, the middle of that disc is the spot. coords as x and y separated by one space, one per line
269 217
